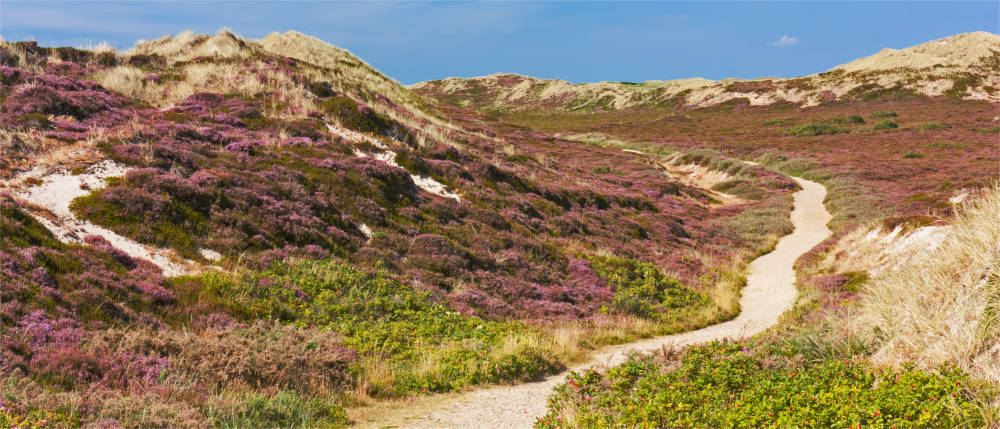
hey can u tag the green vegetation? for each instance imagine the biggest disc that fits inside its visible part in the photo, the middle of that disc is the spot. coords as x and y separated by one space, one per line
874 91
786 121
729 385
815 130
642 290
407 344
912 154
884 114
606 169
933 126
286 409
887 124
853 119
176 226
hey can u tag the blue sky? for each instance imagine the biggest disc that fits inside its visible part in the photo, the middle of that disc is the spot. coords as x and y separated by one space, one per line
576 41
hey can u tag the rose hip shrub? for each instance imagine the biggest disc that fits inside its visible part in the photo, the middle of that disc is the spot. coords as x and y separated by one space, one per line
727 385
386 322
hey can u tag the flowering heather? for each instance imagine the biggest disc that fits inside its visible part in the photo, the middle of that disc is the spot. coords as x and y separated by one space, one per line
339 275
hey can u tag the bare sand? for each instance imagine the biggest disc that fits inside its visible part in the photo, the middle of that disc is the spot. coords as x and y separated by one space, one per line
770 291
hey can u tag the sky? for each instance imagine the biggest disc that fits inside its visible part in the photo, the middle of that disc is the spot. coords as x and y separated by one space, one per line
414 41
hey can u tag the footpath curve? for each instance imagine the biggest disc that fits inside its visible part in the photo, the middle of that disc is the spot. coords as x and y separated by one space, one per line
770 291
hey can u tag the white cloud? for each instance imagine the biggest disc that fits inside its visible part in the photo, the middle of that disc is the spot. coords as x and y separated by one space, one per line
785 41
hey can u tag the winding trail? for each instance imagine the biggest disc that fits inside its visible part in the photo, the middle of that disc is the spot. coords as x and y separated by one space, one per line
770 291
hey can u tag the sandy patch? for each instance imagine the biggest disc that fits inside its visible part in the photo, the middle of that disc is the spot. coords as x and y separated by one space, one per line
54 191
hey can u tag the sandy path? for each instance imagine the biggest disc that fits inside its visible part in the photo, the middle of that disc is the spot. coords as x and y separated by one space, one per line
770 291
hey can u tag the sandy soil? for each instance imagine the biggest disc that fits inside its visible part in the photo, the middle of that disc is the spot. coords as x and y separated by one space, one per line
704 178
770 291
53 191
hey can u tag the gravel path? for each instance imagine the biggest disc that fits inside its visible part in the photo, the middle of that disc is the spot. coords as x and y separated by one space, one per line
770 291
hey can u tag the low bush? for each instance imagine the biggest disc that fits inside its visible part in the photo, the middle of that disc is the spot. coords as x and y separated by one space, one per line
887 124
884 114
407 343
912 154
641 289
933 126
815 130
727 385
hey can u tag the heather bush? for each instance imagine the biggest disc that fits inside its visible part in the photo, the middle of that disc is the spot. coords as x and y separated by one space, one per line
353 115
87 283
258 356
55 95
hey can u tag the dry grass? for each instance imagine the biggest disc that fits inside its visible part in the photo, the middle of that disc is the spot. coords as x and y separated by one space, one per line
944 306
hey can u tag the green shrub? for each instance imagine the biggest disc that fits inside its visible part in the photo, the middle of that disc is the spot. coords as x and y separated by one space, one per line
946 145
853 119
605 169
887 124
912 154
352 115
778 122
386 322
933 126
725 385
884 114
815 130
642 290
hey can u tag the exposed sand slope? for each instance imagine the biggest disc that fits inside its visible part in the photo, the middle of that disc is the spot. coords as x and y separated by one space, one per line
960 50
770 292
55 192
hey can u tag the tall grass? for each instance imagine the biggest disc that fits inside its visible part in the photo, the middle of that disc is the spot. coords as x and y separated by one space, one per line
946 306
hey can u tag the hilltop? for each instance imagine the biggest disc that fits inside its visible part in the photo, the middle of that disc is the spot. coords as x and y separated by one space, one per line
964 66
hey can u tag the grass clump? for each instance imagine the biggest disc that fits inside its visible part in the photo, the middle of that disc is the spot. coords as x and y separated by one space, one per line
286 409
887 124
884 114
933 126
786 121
727 385
960 324
912 154
815 130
